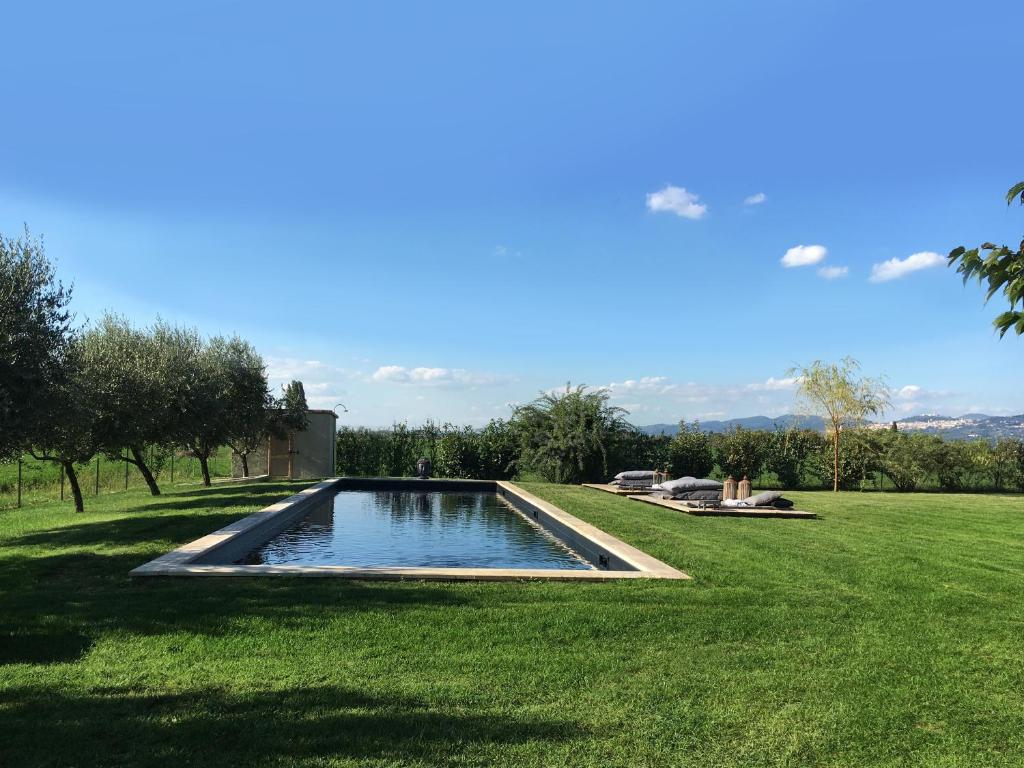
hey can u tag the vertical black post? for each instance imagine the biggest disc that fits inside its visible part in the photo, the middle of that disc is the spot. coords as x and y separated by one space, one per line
62 482
97 475
172 468
126 469
19 482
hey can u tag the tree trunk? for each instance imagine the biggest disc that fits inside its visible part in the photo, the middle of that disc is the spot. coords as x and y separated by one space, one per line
835 462
76 491
139 462
204 463
245 464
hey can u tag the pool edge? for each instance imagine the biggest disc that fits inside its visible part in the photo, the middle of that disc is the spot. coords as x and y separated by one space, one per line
194 558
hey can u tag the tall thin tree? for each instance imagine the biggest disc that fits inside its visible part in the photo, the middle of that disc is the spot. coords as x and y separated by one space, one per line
837 392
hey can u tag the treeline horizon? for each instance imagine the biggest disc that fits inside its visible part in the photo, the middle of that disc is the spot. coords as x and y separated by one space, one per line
793 458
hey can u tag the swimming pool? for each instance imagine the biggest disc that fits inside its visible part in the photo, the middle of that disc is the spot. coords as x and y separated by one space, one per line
420 529
403 528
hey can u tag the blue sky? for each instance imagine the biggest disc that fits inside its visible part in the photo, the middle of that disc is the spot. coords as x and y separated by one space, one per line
437 210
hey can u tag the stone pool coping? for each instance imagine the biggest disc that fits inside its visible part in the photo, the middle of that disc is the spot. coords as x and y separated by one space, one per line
234 541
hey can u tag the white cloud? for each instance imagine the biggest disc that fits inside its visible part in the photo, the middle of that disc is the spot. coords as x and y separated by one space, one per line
755 199
894 269
774 385
909 392
678 201
804 255
390 373
422 375
430 374
832 273
288 368
643 384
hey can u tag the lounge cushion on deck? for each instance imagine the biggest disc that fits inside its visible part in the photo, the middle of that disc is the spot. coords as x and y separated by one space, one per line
688 484
708 495
635 474
763 499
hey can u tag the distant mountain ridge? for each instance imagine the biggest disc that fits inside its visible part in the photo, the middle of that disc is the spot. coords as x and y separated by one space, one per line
750 422
970 426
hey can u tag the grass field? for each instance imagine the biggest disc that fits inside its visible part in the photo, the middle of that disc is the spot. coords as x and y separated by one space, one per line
890 632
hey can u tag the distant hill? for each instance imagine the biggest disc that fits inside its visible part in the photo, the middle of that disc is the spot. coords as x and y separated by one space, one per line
750 422
971 426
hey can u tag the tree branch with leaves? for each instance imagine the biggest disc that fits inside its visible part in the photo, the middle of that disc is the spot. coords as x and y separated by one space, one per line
1001 267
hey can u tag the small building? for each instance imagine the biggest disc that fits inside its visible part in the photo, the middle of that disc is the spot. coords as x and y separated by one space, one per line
304 455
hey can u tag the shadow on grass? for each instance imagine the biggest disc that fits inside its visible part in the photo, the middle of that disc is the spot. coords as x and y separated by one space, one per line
129 531
55 647
235 496
137 526
62 595
121 726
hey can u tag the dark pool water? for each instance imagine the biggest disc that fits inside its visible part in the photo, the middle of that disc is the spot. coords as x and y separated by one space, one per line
417 529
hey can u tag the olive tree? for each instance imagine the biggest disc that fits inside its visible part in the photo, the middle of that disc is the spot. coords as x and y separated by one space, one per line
194 387
133 407
226 384
250 408
844 398
65 432
35 334
1001 267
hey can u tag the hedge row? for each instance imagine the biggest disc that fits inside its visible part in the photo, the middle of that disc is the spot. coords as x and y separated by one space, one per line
787 458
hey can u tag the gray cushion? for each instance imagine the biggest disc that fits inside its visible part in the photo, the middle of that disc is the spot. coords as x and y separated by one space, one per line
688 484
763 499
636 474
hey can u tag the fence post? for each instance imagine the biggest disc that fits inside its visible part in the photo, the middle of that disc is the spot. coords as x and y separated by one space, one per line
172 468
62 482
19 483
97 476
126 469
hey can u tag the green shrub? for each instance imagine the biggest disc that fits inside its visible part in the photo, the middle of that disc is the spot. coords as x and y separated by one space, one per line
458 453
690 452
789 454
908 460
565 436
740 452
859 459
498 450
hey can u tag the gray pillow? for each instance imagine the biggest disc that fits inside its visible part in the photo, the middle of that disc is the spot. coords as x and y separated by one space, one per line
636 474
763 499
708 495
688 484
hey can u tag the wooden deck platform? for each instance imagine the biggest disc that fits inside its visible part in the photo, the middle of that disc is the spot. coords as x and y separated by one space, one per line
613 489
680 506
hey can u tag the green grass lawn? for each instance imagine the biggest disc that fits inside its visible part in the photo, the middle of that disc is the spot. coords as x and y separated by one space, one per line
889 632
